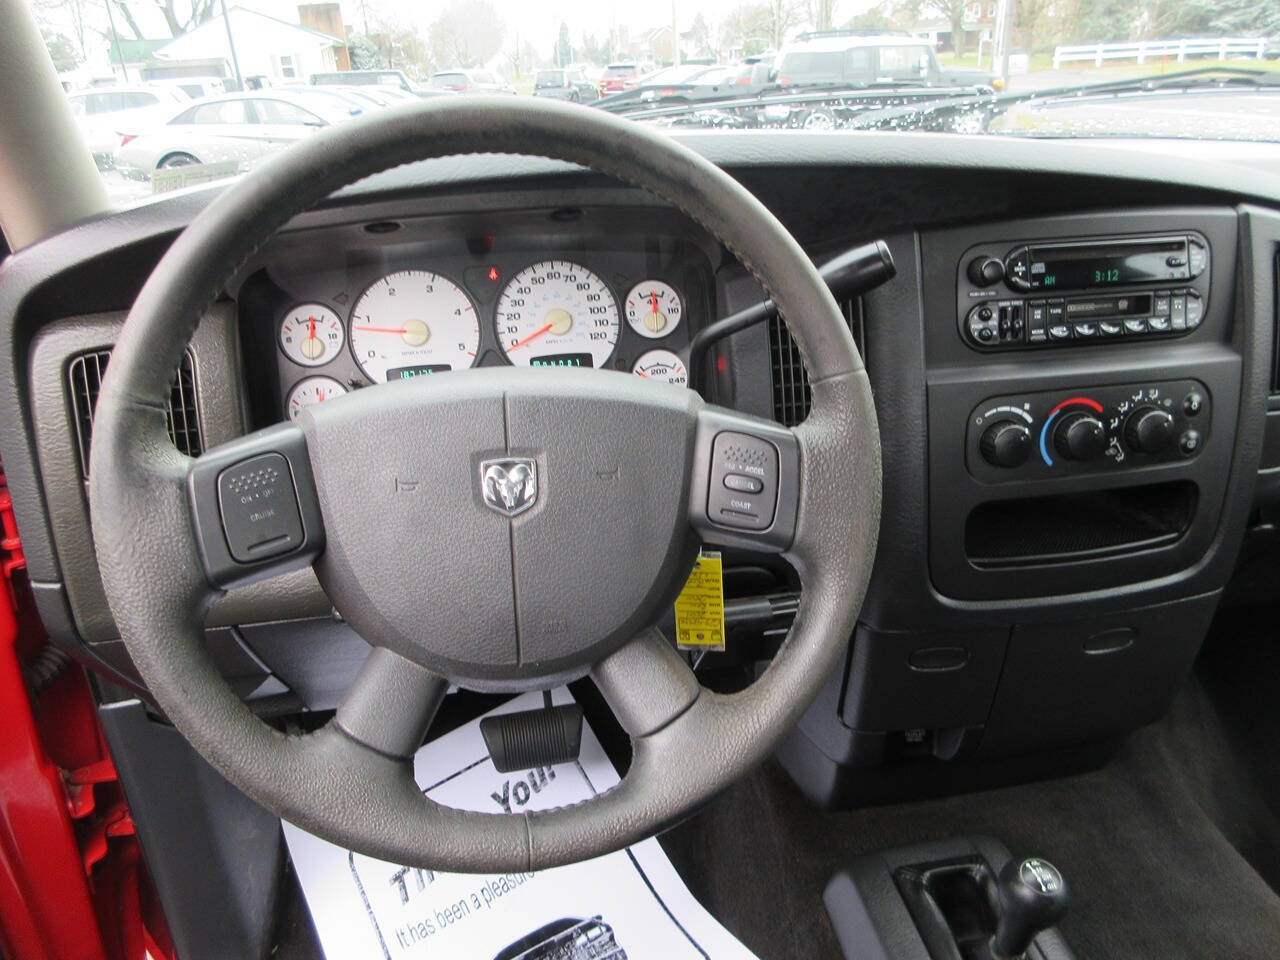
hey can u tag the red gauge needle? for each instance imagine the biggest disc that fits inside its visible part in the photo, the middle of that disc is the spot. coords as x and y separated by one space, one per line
653 297
533 336
382 329
312 331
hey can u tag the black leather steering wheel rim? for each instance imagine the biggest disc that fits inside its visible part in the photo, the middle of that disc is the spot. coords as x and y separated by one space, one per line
351 782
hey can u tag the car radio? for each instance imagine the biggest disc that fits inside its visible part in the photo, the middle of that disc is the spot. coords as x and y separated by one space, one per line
1066 293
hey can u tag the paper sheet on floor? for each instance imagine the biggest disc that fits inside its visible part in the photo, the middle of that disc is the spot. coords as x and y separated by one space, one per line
630 904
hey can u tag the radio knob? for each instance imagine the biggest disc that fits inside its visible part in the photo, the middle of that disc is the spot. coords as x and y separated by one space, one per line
984 271
1079 436
1005 443
1149 430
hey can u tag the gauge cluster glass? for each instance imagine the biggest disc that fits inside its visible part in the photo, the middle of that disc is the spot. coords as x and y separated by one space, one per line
653 309
661 366
557 313
411 323
312 390
311 334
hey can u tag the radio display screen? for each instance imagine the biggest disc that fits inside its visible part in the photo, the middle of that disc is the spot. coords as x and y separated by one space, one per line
1107 265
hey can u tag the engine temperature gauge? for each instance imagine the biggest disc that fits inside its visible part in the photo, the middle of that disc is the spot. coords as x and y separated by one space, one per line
653 309
312 390
662 366
311 334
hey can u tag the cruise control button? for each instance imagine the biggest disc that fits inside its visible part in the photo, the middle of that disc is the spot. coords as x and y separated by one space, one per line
259 508
736 481
1135 325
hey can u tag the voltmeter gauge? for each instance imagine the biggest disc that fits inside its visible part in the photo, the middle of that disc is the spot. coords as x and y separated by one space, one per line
311 334
653 309
662 366
312 390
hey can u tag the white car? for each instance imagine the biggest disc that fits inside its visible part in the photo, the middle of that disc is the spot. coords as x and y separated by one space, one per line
103 112
240 127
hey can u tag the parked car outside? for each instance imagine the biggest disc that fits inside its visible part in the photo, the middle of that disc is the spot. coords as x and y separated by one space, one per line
362 78
616 74
103 112
241 127
564 84
840 57
467 80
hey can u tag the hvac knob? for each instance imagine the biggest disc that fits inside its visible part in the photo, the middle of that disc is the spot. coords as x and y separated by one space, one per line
984 271
1079 436
1006 443
1149 430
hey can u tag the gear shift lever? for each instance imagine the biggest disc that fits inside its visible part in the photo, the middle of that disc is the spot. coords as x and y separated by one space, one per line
1031 895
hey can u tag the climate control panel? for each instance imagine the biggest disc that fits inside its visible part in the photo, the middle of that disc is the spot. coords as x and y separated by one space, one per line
1090 430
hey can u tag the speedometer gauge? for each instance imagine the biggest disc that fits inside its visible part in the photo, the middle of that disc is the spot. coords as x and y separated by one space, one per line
557 314
413 322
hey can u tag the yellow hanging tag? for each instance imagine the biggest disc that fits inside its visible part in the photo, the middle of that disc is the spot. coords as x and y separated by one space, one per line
700 606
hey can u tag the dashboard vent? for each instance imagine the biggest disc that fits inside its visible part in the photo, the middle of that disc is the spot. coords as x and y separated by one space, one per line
791 396
85 375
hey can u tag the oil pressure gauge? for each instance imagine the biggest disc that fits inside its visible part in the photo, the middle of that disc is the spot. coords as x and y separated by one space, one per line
311 334
653 309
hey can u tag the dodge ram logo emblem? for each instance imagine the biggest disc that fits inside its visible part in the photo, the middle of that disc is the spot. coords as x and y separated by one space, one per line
509 486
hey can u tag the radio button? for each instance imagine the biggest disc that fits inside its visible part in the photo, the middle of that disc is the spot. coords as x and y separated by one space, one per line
1196 258
1135 325
1084 330
1017 270
1110 328
1195 311
1160 305
1059 331
1175 261
985 334
1162 324
984 314
1179 312
1055 311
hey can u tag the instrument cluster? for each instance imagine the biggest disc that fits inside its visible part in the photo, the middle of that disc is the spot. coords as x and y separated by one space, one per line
620 310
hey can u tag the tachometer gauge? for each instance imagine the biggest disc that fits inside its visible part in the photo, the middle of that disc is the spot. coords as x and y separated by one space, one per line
653 309
662 366
312 390
557 314
311 334
411 323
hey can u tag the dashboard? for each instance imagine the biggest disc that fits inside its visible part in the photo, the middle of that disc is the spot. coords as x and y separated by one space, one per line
1075 375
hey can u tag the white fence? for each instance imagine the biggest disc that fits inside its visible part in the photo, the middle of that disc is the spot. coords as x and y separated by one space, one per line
1144 50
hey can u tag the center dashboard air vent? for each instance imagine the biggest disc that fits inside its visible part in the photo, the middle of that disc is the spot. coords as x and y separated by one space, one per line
791 396
181 414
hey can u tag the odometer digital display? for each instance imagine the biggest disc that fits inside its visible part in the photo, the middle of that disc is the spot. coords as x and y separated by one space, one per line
421 370
562 360
557 309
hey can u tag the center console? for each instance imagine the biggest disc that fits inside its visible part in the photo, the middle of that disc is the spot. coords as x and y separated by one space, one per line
1088 393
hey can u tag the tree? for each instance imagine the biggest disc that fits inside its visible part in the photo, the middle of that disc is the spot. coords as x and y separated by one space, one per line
822 13
593 51
953 12
783 15
76 21
364 52
180 19
61 51
564 50
467 34
699 37
1246 17
748 28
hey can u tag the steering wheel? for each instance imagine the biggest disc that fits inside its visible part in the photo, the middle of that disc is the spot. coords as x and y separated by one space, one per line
504 529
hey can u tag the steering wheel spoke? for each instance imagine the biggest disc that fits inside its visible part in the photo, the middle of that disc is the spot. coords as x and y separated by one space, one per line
391 704
646 684
254 505
745 486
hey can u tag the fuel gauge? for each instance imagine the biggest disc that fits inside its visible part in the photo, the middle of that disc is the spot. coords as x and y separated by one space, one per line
311 334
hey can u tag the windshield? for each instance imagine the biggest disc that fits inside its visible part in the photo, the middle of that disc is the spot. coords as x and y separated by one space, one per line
1183 69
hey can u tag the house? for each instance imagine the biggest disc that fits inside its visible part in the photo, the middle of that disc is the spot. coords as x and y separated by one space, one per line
277 50
979 27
